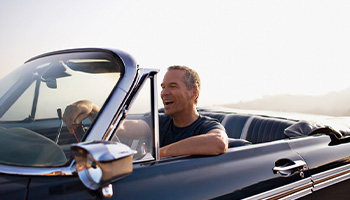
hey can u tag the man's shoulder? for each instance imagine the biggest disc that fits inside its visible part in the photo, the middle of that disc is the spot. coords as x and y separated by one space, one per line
208 119
164 116
210 122
164 119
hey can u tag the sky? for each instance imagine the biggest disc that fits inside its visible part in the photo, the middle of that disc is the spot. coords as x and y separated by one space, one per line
242 50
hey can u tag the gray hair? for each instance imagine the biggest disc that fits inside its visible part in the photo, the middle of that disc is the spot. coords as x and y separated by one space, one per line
191 78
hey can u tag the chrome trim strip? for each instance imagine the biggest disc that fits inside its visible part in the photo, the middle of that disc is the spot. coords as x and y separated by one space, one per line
113 125
117 101
291 191
38 171
331 177
155 116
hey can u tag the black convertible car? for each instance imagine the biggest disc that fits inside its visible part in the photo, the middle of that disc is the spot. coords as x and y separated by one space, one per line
270 155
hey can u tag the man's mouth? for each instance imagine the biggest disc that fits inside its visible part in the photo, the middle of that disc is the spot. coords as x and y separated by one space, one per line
168 102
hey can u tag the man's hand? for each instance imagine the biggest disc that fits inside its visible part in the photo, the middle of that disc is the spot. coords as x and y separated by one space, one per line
78 111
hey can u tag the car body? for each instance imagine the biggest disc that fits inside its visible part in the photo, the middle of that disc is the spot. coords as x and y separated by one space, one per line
270 155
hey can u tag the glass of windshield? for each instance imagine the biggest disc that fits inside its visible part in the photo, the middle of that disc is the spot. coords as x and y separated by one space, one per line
33 98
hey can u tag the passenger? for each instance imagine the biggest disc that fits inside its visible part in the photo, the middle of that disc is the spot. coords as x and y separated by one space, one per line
182 130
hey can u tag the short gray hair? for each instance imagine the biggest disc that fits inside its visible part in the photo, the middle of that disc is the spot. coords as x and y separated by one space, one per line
191 78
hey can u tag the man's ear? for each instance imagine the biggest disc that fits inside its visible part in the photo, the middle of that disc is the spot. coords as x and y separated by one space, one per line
195 93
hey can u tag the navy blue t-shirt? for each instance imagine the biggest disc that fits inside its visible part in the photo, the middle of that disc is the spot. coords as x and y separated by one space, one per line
169 133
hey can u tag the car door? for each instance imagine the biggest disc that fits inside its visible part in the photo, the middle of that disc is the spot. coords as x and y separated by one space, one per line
328 160
242 172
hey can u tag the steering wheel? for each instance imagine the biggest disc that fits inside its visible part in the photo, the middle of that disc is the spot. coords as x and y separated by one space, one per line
78 132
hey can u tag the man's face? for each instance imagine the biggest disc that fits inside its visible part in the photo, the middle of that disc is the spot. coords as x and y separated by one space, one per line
175 95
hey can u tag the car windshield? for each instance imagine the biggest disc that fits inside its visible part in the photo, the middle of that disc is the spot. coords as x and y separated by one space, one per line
33 99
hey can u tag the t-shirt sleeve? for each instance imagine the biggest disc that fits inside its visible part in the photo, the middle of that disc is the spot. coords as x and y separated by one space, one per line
211 124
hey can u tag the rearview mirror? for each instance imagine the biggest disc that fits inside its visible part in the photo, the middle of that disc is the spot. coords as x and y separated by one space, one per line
50 82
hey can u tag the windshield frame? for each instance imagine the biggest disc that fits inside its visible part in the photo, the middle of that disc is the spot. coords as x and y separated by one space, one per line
124 85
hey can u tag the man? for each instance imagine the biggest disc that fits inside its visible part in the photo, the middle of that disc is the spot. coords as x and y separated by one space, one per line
182 130
180 91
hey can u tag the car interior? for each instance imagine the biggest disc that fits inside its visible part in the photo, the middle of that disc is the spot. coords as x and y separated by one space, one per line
243 129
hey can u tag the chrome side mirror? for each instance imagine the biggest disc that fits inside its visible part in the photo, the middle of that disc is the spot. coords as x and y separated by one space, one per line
99 163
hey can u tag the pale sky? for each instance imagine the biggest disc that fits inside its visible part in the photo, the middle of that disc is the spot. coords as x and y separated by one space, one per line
241 49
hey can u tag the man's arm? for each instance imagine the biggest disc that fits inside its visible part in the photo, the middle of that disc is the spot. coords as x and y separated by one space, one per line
214 142
128 129
134 129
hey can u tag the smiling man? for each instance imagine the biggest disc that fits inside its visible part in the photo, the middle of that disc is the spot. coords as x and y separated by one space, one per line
182 131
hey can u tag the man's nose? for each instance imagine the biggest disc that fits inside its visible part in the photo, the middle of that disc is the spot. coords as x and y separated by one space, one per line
164 91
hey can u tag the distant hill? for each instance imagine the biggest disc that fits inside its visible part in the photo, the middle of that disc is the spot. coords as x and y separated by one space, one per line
333 103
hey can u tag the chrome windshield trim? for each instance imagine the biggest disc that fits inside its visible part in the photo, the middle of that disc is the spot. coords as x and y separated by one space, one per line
291 191
38 171
113 108
116 108
144 74
155 116
331 177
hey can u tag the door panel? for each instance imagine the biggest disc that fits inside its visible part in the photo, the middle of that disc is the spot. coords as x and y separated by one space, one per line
59 187
240 173
13 187
329 164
